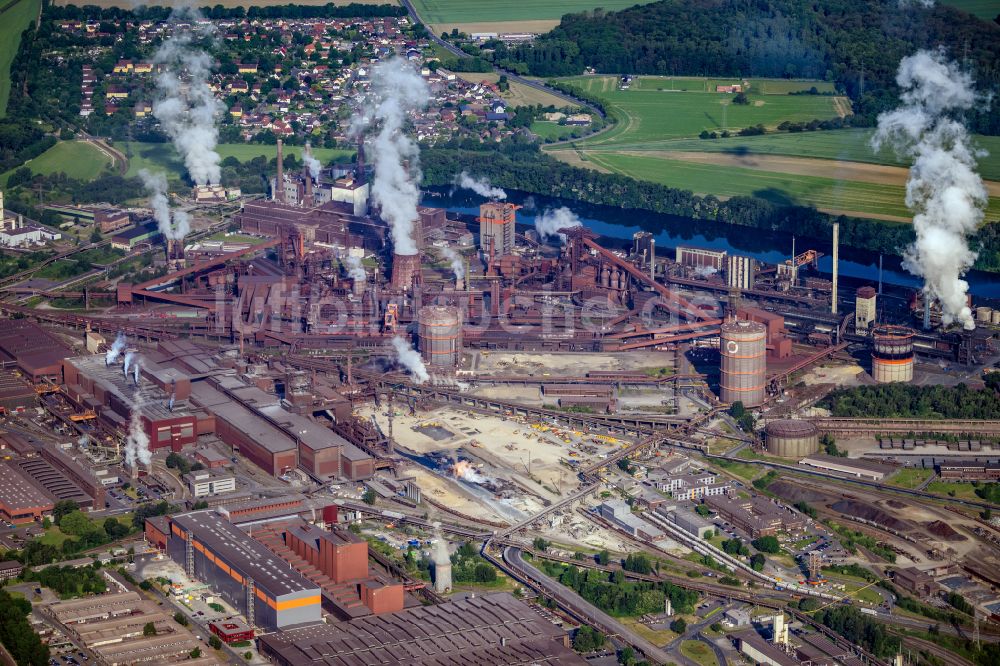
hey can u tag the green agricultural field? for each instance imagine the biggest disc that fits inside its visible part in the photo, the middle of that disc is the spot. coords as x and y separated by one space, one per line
831 194
162 156
547 130
852 145
502 11
704 84
77 159
986 9
13 21
646 115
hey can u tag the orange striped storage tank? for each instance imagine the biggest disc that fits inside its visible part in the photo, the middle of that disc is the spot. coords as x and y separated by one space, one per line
744 348
439 336
892 354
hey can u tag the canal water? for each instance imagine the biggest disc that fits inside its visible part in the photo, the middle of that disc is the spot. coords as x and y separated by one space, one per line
857 266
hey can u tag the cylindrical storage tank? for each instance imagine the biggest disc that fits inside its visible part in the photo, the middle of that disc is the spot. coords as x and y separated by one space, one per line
995 317
743 347
892 354
791 438
984 314
439 336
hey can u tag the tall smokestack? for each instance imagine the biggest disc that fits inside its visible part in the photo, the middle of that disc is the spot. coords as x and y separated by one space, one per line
927 311
279 180
309 185
836 264
652 259
360 175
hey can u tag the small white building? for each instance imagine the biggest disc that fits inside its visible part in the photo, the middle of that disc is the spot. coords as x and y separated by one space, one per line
209 482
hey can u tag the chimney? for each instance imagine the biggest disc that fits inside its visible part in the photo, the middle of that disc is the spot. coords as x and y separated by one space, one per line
652 260
279 180
360 175
836 264
307 176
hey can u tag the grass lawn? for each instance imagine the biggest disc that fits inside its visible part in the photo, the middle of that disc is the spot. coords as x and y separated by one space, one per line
742 470
77 159
910 478
500 11
656 637
959 490
12 23
53 537
802 543
652 114
699 652
162 156
548 130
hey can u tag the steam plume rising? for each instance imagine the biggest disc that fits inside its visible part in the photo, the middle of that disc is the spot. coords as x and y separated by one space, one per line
455 259
354 268
116 349
187 108
410 359
173 226
129 357
463 469
397 90
311 162
137 442
552 220
944 191
480 186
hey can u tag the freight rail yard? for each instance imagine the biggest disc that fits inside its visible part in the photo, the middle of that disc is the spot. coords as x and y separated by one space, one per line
350 407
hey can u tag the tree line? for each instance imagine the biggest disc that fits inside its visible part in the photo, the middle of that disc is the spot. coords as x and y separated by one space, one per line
612 593
908 401
290 11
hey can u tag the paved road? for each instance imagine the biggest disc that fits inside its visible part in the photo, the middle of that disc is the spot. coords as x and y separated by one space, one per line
582 608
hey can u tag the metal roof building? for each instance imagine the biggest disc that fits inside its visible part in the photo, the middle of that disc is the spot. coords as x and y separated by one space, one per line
492 629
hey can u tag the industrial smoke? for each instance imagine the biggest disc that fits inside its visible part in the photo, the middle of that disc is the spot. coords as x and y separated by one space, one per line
944 191
137 442
173 225
464 470
129 358
551 221
397 90
480 186
185 105
116 349
455 260
410 359
311 162
354 268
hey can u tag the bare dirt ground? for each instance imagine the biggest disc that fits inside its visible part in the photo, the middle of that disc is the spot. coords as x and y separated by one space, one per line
131 4
567 364
536 26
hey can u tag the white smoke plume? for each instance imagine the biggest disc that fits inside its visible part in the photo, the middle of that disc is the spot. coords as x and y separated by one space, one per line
82 441
115 350
185 106
480 186
355 269
397 90
410 359
173 226
944 191
129 358
926 4
455 259
311 162
464 470
706 271
137 441
551 221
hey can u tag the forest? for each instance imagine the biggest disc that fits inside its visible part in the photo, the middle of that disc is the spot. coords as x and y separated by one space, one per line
855 43
290 11
617 596
908 401
16 633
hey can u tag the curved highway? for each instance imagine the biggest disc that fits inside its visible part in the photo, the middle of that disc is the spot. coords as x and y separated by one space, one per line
577 605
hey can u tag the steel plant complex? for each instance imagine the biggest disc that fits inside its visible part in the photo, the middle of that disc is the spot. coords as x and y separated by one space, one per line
368 455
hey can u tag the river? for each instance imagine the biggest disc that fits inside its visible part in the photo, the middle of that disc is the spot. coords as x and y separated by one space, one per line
857 266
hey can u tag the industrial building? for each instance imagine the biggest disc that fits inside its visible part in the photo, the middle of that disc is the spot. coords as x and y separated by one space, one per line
209 482
865 309
35 352
439 334
130 238
246 574
21 501
699 257
741 272
757 516
687 520
488 629
112 627
497 222
861 469
791 438
10 569
892 354
620 513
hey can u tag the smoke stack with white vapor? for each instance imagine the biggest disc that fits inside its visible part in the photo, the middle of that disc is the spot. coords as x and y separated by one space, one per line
311 163
185 105
137 441
410 359
174 225
480 186
397 91
944 191
456 263
551 221
115 350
